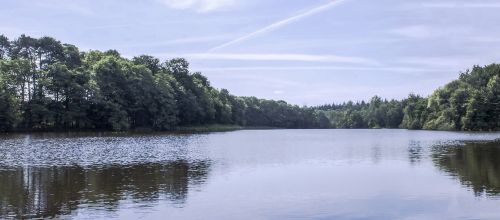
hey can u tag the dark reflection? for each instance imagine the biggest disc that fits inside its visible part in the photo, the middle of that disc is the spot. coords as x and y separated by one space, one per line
476 165
415 152
28 137
42 192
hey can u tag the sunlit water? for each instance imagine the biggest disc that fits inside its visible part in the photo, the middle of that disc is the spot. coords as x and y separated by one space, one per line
252 174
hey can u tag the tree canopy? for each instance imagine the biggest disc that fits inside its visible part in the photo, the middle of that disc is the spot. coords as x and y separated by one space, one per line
48 85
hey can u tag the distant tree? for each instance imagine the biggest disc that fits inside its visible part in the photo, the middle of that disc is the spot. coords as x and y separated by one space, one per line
4 47
8 101
153 64
414 112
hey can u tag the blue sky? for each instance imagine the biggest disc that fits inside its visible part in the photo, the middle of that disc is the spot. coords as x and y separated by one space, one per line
306 52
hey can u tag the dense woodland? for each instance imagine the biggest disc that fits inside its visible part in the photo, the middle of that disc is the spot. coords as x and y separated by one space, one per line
46 85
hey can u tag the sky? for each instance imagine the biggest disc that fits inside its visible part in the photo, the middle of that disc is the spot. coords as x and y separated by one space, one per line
306 52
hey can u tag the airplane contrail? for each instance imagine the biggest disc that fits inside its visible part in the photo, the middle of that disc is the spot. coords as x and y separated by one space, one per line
279 24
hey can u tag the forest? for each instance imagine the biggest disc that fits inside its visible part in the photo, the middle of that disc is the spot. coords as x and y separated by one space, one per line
46 85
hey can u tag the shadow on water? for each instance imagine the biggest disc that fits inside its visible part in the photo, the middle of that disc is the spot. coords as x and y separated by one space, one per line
475 164
43 192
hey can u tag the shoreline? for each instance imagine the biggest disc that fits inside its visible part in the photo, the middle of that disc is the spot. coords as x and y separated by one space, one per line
214 128
183 130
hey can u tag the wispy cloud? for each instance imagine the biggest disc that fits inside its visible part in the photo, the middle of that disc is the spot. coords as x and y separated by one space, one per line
398 69
441 4
280 23
274 57
199 5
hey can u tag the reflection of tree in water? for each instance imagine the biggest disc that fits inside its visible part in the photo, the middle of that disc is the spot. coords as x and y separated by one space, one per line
415 152
53 191
476 165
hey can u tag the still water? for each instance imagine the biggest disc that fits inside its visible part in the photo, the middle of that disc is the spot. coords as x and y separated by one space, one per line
252 174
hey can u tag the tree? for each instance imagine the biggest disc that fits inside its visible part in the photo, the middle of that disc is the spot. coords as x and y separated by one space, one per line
165 107
376 113
7 110
112 93
153 64
72 57
493 99
323 121
4 47
8 102
68 89
475 117
414 112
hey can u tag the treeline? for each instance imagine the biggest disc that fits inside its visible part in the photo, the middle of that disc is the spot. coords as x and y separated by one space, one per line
471 103
47 85
377 113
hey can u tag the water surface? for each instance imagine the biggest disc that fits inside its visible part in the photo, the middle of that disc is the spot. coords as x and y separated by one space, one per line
252 174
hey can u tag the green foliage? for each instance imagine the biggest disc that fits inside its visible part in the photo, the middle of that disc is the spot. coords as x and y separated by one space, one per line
153 64
414 111
4 47
8 118
164 108
46 85
377 113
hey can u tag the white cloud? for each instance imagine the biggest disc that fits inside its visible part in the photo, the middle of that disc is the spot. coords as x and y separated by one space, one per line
274 57
280 23
199 5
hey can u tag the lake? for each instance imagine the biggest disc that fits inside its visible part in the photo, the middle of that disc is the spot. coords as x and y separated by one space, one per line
252 174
